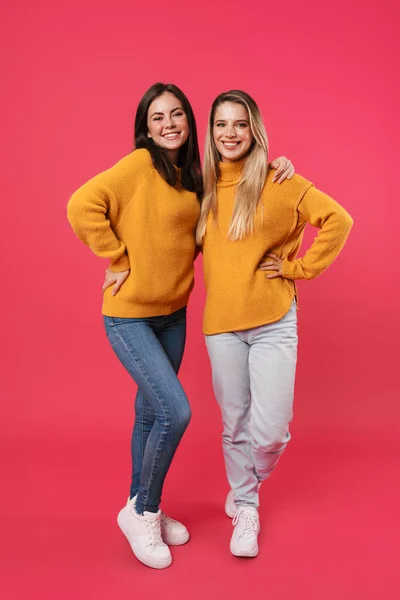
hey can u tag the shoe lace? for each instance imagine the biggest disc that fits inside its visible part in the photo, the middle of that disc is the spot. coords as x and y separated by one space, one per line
247 522
154 530
167 520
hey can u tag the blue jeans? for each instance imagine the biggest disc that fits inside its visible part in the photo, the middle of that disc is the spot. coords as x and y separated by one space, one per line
151 350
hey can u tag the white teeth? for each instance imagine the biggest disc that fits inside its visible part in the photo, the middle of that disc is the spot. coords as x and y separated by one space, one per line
230 144
171 136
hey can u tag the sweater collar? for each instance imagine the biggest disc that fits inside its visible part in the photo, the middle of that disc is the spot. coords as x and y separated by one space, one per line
230 172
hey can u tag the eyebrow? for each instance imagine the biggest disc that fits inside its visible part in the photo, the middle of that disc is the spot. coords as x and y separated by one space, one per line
173 110
236 121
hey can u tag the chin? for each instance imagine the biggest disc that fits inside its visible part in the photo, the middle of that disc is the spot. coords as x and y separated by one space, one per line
231 158
176 144
171 147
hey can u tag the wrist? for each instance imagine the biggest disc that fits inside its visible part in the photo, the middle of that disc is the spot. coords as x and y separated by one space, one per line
288 269
120 264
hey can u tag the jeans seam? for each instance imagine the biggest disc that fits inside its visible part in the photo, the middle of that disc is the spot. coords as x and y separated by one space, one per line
154 465
167 422
141 429
137 361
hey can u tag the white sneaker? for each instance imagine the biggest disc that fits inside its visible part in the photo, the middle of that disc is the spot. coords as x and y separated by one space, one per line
173 533
246 529
230 506
143 532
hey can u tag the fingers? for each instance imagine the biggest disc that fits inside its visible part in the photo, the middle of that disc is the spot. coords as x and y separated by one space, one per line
270 267
280 164
115 279
117 286
282 178
279 171
107 283
275 164
284 169
109 280
287 173
275 259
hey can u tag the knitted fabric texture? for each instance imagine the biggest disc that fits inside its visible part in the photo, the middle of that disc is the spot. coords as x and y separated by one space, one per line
131 216
239 296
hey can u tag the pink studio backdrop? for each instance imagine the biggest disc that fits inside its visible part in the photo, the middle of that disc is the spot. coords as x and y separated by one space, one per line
324 77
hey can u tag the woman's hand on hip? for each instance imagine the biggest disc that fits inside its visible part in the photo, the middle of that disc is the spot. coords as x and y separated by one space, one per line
284 169
115 279
274 264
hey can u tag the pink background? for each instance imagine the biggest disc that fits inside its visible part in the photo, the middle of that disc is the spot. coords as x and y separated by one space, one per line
325 78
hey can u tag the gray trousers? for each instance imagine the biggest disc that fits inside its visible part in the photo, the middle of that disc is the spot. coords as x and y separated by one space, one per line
253 375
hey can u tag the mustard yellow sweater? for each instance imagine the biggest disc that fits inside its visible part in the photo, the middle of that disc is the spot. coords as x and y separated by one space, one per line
239 296
130 215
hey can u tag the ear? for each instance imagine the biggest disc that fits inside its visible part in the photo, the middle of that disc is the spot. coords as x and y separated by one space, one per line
149 134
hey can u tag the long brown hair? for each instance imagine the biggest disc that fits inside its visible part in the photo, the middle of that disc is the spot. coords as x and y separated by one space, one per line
189 155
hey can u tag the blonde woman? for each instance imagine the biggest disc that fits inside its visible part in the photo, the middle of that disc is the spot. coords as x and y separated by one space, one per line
251 231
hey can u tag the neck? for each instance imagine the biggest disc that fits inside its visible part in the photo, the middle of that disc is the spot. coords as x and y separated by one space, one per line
231 171
173 156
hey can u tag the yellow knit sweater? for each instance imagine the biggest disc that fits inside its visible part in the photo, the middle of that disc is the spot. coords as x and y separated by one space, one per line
239 296
130 215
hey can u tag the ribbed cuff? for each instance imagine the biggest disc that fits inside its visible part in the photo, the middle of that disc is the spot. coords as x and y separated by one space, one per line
121 264
288 269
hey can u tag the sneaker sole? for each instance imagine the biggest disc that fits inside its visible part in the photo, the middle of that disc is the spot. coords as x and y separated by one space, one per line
244 554
177 540
250 553
154 564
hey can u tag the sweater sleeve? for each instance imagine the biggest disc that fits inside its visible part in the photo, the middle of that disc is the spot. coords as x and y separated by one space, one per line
334 224
96 206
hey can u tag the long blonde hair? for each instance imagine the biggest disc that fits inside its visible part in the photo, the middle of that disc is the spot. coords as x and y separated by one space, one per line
252 181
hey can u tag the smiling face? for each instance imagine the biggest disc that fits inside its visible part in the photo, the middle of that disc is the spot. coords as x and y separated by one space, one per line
168 124
231 131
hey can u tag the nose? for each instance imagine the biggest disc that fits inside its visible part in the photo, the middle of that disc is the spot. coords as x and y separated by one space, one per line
230 133
169 123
